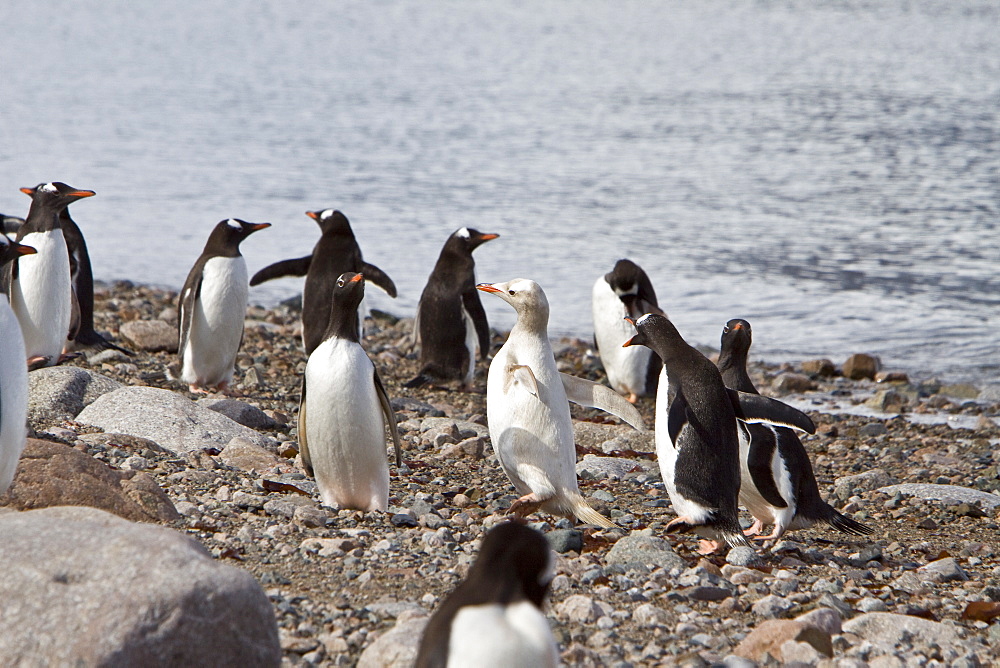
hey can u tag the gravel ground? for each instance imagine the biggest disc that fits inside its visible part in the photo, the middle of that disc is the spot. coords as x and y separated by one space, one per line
340 579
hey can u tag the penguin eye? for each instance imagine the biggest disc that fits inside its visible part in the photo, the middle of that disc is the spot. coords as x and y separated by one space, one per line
340 282
725 330
510 292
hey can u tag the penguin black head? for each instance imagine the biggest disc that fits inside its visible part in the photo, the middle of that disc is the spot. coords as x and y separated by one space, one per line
470 239
11 250
331 221
653 331
513 564
350 290
624 278
736 337
54 196
226 237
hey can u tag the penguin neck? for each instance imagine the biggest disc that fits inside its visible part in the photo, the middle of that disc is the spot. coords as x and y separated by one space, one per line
733 367
344 324
42 217
533 323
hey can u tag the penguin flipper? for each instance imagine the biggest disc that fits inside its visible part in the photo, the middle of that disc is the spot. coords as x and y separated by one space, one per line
474 307
75 318
10 224
375 275
295 267
303 448
758 408
521 375
390 416
594 395
190 294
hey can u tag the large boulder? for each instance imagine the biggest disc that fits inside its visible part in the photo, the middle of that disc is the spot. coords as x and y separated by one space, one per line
150 335
60 392
886 630
397 647
83 587
53 474
174 422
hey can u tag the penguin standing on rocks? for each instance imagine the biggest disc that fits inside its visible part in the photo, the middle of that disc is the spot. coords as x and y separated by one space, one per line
528 411
345 410
699 460
778 485
336 252
41 291
13 375
451 322
82 280
494 617
625 291
212 307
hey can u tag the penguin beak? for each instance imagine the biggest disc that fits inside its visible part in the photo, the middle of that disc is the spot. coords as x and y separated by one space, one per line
637 340
258 226
82 193
313 214
28 191
26 250
630 320
488 237
738 325
357 277
487 287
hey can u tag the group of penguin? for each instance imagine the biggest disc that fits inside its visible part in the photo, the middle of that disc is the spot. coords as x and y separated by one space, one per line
718 441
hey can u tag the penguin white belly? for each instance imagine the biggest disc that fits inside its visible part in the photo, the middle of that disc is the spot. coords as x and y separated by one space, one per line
217 322
626 367
532 435
42 295
471 343
13 394
498 636
345 428
749 496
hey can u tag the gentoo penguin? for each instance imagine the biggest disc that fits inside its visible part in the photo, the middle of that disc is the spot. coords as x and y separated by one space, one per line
699 459
336 252
343 440
625 291
10 224
13 375
41 291
778 486
82 280
451 322
528 411
494 617
212 308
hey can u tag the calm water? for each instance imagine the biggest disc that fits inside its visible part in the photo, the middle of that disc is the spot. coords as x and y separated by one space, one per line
830 171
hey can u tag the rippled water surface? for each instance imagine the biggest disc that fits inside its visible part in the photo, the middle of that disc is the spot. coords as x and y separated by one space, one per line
829 171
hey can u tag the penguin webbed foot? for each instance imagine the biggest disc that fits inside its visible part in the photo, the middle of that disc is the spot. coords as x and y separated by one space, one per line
38 361
632 398
755 529
525 505
707 547
682 524
66 357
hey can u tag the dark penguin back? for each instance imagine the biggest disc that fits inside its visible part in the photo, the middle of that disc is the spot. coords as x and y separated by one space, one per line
336 253
636 292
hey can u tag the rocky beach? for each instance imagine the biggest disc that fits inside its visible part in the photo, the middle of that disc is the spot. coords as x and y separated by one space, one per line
917 461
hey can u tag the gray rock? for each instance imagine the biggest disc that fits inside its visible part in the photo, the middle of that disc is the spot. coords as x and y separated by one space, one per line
706 593
239 411
244 454
608 437
789 383
176 423
648 614
743 556
824 619
465 429
871 604
150 335
605 468
950 494
84 587
643 549
848 486
421 408
885 630
578 608
860 366
397 647
990 394
873 429
565 540
943 570
59 393
772 606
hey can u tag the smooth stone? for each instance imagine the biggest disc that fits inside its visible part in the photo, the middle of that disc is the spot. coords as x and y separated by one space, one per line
848 486
175 422
944 570
59 393
244 454
772 606
565 540
397 647
578 608
770 635
950 494
84 587
886 629
239 411
825 619
743 556
789 383
642 548
605 468
150 335
860 366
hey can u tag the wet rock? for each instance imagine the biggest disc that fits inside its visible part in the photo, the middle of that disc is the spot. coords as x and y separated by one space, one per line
889 401
823 368
51 474
642 548
789 383
885 630
61 392
860 366
150 335
770 635
951 494
239 411
94 589
891 377
173 421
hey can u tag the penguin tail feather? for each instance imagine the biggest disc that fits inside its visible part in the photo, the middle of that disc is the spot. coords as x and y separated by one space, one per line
842 522
734 539
585 513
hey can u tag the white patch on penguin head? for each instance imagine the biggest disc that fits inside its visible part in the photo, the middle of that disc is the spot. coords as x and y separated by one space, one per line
643 319
463 233
48 187
235 224
325 213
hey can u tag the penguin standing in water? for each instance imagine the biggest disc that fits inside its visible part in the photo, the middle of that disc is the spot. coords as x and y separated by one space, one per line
451 322
345 410
212 306
335 253
778 485
41 291
82 280
625 291
494 617
700 458
527 407
13 375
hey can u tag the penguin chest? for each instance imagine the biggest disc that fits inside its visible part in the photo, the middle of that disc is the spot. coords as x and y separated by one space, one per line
217 322
42 294
761 465
626 367
345 429
13 394
497 635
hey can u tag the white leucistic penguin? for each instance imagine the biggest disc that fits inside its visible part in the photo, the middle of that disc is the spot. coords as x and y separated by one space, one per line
41 291
344 411
777 482
336 252
699 459
13 375
527 407
625 291
212 308
494 618
451 322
